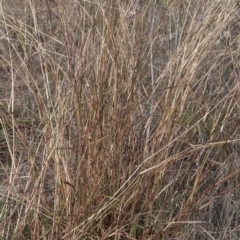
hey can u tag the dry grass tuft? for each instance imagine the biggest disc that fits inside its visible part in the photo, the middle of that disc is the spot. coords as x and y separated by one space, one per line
119 119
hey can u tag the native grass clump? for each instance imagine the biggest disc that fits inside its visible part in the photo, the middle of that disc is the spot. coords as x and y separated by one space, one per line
119 119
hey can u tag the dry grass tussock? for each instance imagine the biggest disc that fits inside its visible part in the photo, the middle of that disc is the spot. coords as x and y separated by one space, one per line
119 119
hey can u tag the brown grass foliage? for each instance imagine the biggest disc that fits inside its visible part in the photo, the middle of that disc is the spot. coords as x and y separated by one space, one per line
119 119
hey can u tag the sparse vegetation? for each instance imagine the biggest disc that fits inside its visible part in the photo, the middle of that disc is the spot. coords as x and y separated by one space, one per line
119 119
